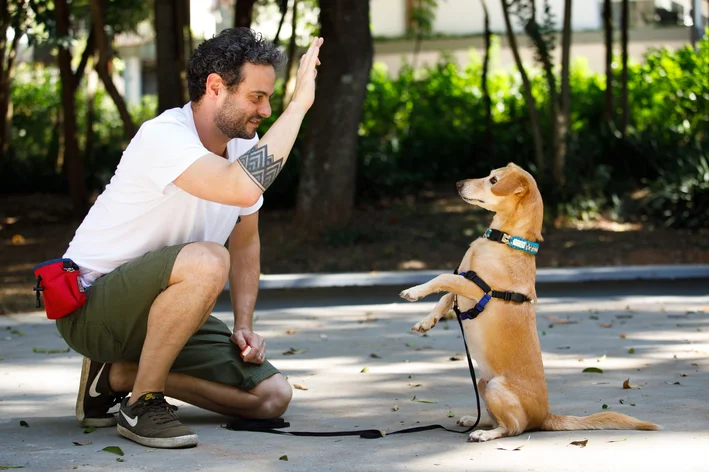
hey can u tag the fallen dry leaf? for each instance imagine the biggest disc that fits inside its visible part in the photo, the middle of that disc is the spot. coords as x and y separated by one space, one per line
293 351
422 401
82 443
579 443
368 318
395 407
300 386
506 448
626 385
291 331
606 325
412 385
18 240
622 335
617 440
556 320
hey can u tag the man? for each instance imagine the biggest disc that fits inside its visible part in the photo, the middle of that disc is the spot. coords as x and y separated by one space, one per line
153 259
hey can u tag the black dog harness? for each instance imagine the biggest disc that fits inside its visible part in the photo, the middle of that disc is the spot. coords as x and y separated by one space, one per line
503 238
489 293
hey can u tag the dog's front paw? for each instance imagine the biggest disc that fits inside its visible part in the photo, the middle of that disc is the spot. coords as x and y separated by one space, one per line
424 325
410 294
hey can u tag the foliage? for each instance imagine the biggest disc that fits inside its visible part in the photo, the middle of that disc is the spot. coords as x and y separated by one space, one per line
423 13
33 162
664 153
681 197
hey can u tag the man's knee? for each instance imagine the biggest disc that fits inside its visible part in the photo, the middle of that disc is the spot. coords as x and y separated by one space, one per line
202 262
276 394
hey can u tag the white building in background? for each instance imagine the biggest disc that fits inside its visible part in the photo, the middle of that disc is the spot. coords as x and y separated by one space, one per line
457 28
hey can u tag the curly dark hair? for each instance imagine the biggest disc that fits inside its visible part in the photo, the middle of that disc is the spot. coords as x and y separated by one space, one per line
225 54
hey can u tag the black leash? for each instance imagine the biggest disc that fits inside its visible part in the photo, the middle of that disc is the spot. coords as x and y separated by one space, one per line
274 426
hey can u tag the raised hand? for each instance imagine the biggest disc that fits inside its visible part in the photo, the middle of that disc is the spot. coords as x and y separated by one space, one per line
304 92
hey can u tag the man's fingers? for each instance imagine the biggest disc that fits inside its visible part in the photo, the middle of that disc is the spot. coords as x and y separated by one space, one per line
313 51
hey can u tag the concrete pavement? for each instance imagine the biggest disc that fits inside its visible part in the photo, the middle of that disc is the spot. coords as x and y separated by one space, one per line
409 380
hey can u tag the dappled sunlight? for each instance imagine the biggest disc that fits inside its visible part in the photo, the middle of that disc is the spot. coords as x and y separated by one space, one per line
359 366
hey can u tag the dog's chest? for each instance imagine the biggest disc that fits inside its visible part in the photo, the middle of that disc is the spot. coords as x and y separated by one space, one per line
475 338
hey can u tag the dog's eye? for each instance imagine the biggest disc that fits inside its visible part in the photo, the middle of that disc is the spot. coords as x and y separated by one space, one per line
493 180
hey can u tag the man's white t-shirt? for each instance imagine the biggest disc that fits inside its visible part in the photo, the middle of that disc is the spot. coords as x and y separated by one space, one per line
141 210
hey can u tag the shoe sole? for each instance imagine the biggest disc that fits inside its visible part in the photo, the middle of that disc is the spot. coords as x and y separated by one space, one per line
189 440
80 413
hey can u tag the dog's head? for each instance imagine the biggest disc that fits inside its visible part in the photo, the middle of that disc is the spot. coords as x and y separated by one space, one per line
508 191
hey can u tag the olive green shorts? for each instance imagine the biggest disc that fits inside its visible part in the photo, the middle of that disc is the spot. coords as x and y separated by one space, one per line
111 326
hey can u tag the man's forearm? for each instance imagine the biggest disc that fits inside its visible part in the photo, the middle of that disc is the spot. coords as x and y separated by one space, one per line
243 284
266 159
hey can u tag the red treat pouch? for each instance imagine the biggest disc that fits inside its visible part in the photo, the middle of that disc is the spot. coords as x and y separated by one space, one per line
58 281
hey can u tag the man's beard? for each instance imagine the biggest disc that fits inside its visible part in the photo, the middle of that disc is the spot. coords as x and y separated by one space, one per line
233 123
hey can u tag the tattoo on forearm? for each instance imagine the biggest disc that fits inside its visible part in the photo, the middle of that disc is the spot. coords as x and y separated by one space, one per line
260 166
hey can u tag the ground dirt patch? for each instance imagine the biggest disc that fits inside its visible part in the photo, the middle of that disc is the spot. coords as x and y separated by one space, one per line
426 233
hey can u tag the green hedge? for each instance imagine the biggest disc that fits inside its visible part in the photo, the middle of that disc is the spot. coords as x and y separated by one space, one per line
427 128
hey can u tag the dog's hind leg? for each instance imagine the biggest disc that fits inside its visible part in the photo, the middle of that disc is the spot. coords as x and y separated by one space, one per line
506 408
443 306
444 283
486 418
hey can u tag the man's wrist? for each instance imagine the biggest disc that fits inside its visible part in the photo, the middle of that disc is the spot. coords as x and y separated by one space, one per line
296 110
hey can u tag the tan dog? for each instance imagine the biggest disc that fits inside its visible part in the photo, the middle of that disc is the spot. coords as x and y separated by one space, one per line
503 338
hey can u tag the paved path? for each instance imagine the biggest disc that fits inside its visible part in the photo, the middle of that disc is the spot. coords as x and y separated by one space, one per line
342 331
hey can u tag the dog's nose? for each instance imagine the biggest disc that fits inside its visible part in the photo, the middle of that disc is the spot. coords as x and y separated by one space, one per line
459 184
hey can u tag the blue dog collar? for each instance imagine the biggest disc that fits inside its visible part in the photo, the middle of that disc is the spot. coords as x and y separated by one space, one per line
514 242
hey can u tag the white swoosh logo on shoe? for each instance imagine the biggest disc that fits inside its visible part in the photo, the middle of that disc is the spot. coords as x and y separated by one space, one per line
131 421
92 390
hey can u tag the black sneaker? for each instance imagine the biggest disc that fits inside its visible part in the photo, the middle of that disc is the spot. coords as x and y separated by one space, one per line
151 421
95 396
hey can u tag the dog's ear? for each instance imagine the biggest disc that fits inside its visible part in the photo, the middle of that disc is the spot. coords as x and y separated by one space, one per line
510 183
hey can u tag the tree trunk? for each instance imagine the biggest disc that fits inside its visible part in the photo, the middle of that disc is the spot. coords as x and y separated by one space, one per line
73 159
243 13
92 82
565 98
283 5
170 42
489 145
6 66
289 78
85 56
329 159
698 26
527 90
105 57
624 75
608 35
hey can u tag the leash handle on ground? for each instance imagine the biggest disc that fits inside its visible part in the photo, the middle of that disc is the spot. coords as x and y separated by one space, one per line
274 426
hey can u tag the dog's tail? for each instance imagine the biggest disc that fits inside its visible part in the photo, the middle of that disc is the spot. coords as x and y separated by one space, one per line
597 421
